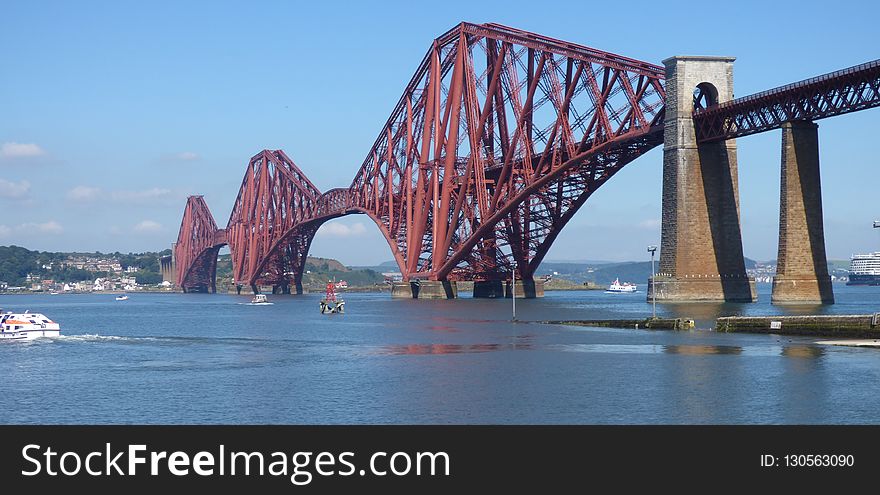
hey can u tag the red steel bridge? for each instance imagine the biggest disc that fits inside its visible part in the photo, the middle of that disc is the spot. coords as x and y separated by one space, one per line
499 138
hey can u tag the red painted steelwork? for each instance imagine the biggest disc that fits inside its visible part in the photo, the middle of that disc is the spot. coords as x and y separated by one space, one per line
197 245
499 137
272 222
844 91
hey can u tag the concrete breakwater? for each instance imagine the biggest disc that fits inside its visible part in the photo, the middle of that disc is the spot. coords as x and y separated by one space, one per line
864 326
646 323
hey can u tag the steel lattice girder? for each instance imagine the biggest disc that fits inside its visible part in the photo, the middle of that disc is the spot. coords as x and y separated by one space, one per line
198 241
495 119
275 198
836 93
499 137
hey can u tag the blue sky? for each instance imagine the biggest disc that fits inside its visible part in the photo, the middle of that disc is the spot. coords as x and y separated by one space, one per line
111 113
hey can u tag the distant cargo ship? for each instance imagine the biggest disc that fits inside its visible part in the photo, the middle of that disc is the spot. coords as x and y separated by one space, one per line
864 269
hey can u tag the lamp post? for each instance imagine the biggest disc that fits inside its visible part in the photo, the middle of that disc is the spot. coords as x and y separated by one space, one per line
513 289
652 249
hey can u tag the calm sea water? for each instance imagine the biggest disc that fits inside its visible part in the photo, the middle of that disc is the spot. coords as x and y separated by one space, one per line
197 358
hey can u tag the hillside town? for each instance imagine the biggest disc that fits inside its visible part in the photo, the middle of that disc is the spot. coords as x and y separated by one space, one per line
88 273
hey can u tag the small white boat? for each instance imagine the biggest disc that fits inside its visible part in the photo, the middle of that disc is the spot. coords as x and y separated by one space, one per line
27 326
616 287
260 300
122 298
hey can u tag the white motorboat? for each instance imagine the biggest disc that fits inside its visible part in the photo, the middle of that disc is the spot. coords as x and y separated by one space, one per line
122 298
260 300
616 287
27 326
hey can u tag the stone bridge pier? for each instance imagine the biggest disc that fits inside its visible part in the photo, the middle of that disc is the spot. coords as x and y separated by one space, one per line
801 266
168 266
701 255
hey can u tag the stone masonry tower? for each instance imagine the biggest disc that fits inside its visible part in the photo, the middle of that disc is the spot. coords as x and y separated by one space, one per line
701 257
801 267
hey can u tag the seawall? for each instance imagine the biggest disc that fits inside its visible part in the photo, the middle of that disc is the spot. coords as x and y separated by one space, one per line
865 326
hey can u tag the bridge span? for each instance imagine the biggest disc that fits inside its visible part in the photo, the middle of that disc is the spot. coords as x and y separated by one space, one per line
502 135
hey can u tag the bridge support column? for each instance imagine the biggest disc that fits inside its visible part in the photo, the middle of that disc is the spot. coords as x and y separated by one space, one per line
425 289
701 256
402 290
801 267
168 266
488 289
525 289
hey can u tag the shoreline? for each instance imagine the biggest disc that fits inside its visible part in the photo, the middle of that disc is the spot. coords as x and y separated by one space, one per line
108 292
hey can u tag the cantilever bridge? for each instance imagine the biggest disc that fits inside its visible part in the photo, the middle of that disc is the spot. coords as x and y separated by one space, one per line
499 138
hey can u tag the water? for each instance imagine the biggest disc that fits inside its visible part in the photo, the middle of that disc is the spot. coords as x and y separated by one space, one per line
193 359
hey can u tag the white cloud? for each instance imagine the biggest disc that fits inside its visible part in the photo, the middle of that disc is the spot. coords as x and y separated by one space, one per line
156 194
83 193
50 227
183 156
15 150
650 224
148 227
28 229
342 230
187 156
14 190
146 195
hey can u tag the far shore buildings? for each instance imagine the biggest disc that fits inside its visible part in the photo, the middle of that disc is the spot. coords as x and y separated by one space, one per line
117 278
94 264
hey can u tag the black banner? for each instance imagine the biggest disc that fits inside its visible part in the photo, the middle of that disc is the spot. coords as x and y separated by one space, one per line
427 458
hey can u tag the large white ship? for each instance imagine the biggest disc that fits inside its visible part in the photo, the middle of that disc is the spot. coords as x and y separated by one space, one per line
864 269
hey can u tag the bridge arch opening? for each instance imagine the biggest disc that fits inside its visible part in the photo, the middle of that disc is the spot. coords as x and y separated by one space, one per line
705 95
616 224
286 268
354 239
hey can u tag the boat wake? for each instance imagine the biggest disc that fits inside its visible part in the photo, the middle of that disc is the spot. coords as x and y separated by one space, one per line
89 337
160 340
